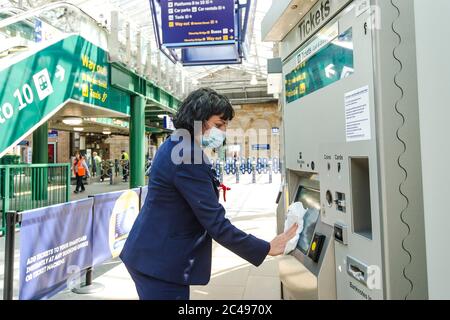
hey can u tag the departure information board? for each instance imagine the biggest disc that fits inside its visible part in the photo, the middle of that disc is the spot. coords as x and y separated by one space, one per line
198 22
332 63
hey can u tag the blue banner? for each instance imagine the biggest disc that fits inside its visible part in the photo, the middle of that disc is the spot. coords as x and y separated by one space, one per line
55 244
114 216
191 23
144 192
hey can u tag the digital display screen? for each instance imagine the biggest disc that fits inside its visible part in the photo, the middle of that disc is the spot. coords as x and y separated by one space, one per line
322 64
309 225
311 201
190 23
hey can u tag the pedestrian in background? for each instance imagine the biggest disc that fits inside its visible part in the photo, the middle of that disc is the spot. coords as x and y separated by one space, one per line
97 160
125 165
81 170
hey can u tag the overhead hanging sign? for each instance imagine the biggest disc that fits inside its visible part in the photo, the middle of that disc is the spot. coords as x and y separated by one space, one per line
36 87
224 54
201 22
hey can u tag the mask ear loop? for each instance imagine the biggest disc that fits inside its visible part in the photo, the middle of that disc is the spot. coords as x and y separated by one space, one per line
206 127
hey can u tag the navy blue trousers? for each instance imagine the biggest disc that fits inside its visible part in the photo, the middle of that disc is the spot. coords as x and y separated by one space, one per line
149 288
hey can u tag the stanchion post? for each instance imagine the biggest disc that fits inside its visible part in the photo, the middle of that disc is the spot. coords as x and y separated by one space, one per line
89 287
12 218
89 276
270 171
111 177
253 172
221 171
238 167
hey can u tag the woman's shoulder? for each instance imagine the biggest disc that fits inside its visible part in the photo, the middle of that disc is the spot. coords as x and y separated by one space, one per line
163 156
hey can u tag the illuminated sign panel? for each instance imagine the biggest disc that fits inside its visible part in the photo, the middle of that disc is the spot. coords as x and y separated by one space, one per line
330 64
198 22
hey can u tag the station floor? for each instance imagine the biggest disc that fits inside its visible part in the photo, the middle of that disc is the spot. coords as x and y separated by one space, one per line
98 188
250 207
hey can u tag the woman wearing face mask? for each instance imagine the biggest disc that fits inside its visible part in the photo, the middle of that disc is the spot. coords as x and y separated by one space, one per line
170 245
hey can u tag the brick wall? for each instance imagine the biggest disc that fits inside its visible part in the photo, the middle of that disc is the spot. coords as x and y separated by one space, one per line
62 146
116 144
253 125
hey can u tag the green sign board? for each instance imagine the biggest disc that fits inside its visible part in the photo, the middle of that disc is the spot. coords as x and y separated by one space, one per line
330 64
35 88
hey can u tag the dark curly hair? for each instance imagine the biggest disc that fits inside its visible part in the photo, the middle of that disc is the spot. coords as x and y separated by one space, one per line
201 105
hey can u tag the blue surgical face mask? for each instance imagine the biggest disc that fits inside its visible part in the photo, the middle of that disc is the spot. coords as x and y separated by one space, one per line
214 139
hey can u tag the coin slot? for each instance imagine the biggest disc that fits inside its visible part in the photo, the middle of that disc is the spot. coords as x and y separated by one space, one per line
329 197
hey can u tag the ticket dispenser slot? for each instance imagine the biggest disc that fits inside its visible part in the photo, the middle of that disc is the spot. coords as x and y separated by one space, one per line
357 270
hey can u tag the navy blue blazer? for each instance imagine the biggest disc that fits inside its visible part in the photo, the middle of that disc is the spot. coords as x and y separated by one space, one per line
171 239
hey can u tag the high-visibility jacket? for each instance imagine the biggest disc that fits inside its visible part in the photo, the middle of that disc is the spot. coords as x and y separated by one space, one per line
80 168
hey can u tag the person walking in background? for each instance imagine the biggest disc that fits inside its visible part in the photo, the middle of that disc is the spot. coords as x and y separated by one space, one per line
80 169
116 167
148 167
96 163
125 165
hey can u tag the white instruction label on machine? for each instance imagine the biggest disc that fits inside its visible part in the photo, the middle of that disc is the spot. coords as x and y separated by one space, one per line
357 115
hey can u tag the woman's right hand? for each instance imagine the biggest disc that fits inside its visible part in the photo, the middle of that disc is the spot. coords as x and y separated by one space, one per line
278 244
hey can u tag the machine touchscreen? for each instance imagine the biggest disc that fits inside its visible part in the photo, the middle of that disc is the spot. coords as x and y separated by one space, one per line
311 201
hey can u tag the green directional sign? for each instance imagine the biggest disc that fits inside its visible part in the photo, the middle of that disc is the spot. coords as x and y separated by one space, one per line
35 88
330 64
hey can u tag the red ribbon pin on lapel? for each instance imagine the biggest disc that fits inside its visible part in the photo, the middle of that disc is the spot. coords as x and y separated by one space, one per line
224 188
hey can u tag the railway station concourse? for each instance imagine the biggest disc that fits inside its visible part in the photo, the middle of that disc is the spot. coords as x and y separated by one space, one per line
224 150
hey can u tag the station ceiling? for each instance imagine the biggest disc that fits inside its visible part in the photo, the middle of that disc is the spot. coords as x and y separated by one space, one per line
232 80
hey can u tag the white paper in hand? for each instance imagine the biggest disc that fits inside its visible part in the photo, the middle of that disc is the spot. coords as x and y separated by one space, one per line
295 214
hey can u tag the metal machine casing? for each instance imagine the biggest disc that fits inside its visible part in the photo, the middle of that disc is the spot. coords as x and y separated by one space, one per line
374 181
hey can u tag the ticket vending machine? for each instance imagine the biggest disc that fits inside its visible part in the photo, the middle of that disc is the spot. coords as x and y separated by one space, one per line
352 151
